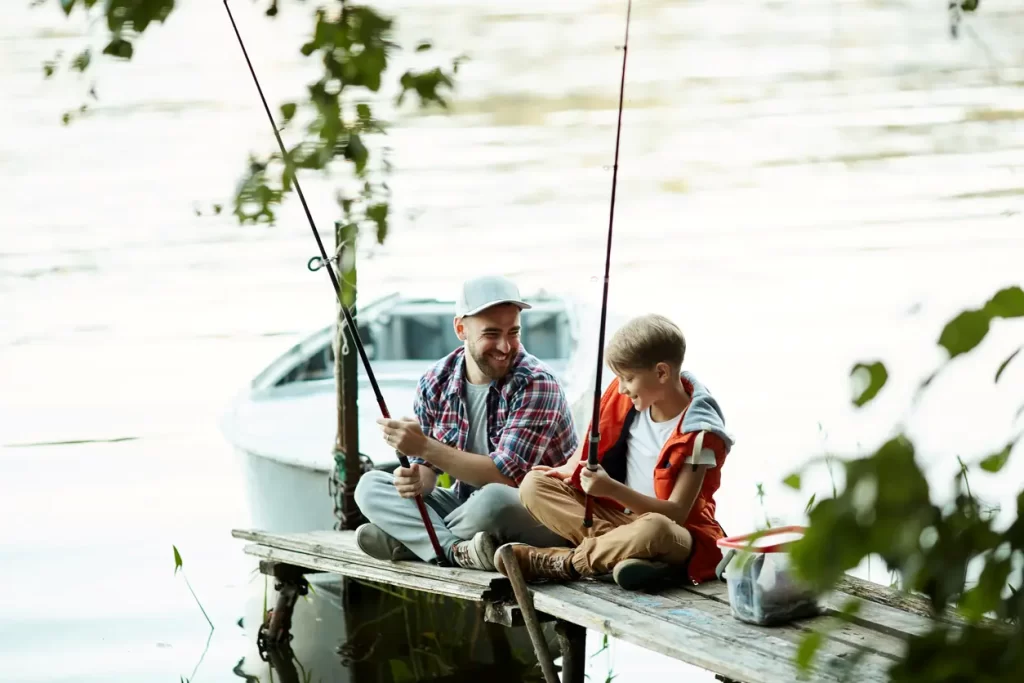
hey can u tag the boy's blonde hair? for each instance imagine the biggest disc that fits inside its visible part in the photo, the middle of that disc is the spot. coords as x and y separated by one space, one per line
645 341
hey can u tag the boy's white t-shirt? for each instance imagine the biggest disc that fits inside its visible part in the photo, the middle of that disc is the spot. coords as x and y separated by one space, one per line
646 439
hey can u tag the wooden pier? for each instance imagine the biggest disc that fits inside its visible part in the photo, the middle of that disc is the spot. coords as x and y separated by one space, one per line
693 624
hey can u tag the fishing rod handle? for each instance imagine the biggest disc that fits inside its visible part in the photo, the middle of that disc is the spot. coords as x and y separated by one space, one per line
588 514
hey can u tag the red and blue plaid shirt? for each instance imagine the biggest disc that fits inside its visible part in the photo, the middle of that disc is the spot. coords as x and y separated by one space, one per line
529 420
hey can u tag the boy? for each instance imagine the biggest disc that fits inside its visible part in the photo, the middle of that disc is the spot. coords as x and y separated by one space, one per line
661 450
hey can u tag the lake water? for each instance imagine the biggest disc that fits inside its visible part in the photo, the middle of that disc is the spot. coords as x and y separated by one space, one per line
802 185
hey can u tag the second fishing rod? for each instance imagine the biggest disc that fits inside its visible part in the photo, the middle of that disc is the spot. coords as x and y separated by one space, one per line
595 434
349 322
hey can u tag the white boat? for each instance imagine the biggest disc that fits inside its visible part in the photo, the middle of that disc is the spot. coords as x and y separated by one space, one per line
283 425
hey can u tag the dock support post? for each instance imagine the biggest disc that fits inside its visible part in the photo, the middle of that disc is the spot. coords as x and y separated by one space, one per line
289 584
573 641
348 465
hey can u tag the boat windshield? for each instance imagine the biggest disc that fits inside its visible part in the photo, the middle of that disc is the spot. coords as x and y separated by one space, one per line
408 334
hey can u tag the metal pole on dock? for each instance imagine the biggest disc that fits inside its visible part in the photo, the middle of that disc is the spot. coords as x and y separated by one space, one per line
348 467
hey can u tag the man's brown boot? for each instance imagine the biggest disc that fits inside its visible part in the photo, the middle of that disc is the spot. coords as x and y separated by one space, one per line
539 563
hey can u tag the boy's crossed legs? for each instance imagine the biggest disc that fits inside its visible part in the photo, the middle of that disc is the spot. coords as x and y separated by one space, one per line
611 544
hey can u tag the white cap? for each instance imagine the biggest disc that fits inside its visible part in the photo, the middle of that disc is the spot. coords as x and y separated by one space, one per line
481 293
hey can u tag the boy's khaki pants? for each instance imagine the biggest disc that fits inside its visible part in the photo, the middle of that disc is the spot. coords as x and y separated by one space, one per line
615 536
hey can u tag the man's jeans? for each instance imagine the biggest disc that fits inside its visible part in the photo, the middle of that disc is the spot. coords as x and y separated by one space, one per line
494 508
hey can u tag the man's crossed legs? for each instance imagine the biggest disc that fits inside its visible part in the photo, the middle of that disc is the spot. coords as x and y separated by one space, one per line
468 532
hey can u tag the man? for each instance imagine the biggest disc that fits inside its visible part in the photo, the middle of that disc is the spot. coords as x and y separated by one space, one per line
486 414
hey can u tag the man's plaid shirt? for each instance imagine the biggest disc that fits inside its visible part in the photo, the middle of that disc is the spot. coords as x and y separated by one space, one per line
529 420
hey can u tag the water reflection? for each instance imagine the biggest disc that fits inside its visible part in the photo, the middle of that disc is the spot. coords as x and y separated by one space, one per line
350 631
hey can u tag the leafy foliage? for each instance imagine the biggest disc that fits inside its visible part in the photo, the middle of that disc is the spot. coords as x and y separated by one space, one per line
886 509
353 43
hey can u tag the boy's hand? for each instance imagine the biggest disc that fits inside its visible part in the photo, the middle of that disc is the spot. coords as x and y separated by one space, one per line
408 481
597 483
556 472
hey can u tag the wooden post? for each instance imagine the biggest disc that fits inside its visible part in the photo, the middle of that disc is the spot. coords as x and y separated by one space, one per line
572 638
525 600
290 584
346 368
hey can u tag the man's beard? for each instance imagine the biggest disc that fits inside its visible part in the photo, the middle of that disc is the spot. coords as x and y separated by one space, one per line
490 367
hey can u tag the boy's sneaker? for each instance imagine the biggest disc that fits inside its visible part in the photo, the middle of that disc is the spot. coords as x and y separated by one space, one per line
373 541
476 553
645 575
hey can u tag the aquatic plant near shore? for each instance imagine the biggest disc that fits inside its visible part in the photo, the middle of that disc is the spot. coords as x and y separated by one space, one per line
178 565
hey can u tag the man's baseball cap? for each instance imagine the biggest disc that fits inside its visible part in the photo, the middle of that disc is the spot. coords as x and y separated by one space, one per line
481 293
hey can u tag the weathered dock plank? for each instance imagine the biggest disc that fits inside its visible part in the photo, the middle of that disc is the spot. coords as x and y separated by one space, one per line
693 624
875 611
347 559
720 644
841 637
368 572
736 640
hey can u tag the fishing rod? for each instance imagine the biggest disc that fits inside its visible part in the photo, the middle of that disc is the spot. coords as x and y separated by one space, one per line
595 435
352 329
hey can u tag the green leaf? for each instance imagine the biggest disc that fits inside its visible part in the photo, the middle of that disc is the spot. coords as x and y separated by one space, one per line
66 118
809 646
792 481
49 68
1007 303
424 46
356 152
996 461
810 503
119 47
177 559
1002 366
964 332
378 213
81 61
426 84
288 111
969 327
400 672
876 378
308 49
67 6
986 595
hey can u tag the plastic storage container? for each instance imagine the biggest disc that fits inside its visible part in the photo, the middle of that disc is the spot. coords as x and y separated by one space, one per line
762 588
